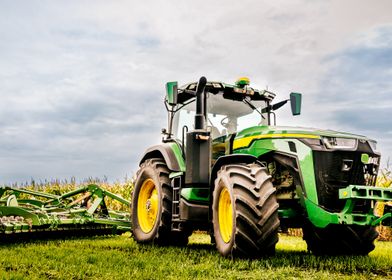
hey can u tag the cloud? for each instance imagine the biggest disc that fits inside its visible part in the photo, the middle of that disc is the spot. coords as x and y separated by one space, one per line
358 86
82 85
355 93
362 73
375 120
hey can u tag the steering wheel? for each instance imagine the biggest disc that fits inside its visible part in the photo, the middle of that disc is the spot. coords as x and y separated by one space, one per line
225 121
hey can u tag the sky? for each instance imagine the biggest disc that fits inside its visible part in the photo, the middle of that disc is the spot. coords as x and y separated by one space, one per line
82 82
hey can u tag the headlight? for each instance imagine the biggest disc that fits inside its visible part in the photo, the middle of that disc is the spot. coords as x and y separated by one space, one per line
339 143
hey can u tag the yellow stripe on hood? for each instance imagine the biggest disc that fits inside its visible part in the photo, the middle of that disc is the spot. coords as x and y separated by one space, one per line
245 142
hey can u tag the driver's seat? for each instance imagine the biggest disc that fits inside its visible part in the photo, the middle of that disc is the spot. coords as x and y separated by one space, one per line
215 133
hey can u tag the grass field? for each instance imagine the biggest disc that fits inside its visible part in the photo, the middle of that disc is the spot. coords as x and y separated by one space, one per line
119 257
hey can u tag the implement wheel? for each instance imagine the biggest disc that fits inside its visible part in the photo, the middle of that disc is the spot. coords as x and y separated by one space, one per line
152 206
245 211
340 239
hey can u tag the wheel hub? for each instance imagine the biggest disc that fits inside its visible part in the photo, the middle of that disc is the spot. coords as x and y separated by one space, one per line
148 204
225 214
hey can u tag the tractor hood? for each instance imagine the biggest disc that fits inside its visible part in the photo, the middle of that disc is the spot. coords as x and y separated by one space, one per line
297 130
246 136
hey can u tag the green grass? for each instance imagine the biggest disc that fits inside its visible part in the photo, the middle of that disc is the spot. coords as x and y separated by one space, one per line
119 257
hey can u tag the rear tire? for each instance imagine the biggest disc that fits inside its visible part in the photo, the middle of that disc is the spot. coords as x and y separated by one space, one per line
340 239
152 206
245 211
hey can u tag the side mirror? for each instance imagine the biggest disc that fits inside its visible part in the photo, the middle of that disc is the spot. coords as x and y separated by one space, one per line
295 100
172 93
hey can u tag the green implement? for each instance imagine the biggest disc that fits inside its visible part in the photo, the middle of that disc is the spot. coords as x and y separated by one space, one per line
81 211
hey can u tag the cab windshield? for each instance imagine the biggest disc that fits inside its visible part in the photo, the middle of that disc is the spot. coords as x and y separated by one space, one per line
225 116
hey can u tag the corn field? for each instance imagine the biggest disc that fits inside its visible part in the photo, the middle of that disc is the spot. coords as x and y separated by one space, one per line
385 180
57 187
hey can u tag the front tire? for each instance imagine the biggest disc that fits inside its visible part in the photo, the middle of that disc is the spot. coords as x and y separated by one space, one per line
245 211
152 206
340 239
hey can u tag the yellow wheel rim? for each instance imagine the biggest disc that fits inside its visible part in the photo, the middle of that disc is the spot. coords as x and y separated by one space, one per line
147 206
225 215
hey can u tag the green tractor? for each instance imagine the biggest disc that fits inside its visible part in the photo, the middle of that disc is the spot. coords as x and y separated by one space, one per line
224 167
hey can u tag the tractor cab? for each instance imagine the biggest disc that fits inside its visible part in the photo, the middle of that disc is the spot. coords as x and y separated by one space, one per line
227 109
224 115
230 108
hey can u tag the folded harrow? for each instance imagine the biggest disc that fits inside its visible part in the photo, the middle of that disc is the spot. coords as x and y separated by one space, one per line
84 211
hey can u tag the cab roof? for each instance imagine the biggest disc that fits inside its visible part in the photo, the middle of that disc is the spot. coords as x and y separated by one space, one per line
233 92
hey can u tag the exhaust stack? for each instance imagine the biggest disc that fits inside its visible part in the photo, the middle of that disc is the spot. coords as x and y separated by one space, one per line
198 143
201 113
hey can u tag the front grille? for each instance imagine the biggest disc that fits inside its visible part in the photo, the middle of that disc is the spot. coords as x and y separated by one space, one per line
336 169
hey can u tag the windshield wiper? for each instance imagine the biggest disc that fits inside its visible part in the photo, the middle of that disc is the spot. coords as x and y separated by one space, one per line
252 107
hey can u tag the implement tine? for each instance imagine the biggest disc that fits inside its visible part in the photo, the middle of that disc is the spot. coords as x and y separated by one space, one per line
34 193
59 199
80 199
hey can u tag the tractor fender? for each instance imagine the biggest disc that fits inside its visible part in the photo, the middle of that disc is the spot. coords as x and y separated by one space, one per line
170 152
228 159
224 160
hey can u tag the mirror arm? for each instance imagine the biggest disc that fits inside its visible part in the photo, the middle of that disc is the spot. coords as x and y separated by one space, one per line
278 105
273 113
